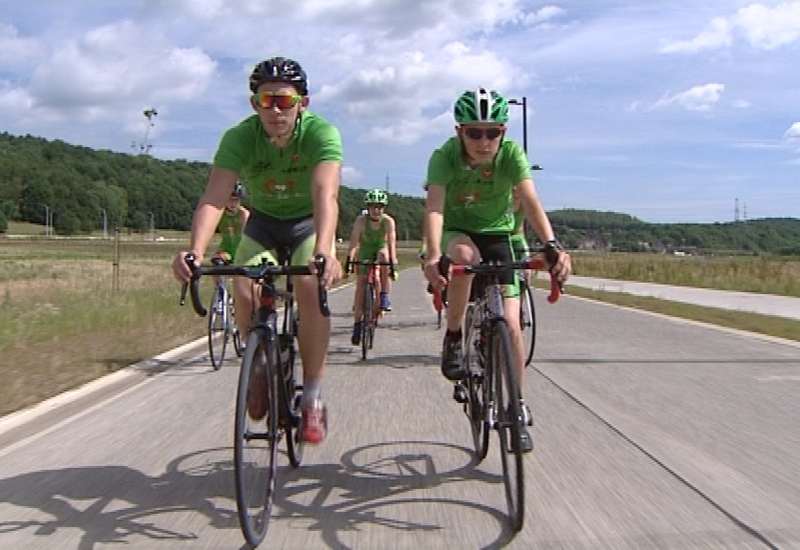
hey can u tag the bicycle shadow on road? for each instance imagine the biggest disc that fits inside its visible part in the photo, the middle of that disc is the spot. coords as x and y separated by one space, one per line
390 497
119 504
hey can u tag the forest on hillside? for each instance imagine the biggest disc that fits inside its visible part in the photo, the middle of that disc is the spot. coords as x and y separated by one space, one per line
79 186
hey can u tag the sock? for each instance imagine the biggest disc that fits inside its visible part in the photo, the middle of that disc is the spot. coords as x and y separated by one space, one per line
312 391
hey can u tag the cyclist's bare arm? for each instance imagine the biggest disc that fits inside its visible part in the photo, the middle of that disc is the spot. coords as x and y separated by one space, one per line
206 218
244 215
537 217
391 239
325 181
434 221
355 237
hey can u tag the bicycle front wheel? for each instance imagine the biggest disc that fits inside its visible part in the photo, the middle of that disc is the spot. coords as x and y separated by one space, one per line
506 400
256 437
217 328
527 319
366 320
477 385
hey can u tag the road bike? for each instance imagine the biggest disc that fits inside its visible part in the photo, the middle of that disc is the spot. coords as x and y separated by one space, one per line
370 307
221 325
268 396
491 393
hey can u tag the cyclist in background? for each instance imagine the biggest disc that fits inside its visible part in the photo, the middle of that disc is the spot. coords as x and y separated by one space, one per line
290 162
231 224
469 217
374 237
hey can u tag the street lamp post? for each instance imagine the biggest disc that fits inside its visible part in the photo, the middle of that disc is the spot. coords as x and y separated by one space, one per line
524 103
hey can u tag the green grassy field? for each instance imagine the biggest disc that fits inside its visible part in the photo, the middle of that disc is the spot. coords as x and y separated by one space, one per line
61 325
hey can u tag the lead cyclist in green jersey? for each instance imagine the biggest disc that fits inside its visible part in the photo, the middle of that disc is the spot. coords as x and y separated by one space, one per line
469 216
289 160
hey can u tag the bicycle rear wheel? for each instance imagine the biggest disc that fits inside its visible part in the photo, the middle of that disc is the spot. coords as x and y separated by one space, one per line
234 331
292 392
527 319
366 320
217 328
477 385
256 437
506 399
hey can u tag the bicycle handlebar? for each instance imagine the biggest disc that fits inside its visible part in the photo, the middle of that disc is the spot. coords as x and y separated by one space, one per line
256 273
349 265
446 266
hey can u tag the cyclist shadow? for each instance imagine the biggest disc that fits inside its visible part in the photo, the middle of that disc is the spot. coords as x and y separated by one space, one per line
119 504
360 495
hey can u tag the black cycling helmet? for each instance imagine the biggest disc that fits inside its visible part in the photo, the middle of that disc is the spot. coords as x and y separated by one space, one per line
279 69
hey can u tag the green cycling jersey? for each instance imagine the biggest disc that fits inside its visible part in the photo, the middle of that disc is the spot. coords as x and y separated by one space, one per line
278 180
230 227
478 200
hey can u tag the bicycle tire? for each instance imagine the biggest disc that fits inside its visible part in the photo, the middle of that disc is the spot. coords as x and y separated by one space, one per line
376 315
527 319
217 331
477 387
236 337
507 406
293 393
255 449
366 319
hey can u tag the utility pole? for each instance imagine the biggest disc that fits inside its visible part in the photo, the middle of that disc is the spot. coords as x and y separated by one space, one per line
105 225
524 103
387 182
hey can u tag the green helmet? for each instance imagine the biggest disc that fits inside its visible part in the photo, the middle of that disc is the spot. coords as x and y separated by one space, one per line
376 196
481 105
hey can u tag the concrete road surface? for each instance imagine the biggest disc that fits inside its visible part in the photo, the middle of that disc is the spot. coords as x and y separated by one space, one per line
650 433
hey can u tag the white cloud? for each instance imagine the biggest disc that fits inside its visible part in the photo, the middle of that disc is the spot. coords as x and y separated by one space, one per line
758 25
793 133
698 98
16 51
109 74
543 15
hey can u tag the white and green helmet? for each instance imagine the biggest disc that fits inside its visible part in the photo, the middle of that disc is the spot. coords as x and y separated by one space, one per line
481 105
376 196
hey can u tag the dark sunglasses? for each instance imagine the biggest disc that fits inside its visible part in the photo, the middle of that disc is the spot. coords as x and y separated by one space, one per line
267 100
478 133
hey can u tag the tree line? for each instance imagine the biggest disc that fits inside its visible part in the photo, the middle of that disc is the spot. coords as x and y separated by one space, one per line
80 187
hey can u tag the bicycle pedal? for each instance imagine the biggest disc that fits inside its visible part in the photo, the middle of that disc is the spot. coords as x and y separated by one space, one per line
460 393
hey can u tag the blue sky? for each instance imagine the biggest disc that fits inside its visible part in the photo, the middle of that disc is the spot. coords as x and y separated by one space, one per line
669 111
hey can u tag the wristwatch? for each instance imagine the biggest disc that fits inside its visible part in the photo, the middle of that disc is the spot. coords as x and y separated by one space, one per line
554 244
551 250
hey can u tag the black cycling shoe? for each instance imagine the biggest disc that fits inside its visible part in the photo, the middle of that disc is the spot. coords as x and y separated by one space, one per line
460 393
451 357
524 439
